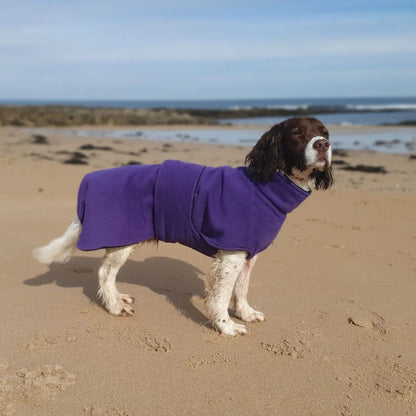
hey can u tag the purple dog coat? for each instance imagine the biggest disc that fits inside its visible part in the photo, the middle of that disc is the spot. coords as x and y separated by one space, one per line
204 208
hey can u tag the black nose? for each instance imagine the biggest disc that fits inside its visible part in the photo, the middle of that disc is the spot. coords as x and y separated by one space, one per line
321 145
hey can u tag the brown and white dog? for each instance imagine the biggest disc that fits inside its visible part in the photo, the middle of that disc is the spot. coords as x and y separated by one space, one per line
299 148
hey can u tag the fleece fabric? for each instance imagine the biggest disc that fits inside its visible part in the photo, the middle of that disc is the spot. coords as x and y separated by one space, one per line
204 208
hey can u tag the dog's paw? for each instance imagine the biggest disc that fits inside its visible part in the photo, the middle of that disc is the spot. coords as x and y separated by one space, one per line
122 307
127 298
126 310
249 314
229 327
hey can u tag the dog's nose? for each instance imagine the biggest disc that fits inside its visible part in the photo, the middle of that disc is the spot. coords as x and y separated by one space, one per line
321 145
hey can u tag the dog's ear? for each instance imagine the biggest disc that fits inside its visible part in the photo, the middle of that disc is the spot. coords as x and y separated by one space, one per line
266 157
324 179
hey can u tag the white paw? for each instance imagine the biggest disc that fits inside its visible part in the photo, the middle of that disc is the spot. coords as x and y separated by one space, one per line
249 314
122 307
229 327
126 310
127 298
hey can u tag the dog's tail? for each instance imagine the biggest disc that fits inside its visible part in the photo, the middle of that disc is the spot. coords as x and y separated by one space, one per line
60 249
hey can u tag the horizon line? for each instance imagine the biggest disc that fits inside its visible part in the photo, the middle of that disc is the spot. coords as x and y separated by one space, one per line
2 100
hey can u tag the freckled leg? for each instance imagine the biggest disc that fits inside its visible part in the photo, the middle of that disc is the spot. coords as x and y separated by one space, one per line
225 269
115 302
242 309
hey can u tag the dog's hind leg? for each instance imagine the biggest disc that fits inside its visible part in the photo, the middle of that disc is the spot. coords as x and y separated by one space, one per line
225 269
60 249
242 309
115 302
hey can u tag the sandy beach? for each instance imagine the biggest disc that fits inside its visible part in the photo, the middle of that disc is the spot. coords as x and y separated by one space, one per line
337 288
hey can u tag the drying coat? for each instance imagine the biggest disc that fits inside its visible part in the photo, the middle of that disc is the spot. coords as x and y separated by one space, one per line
204 208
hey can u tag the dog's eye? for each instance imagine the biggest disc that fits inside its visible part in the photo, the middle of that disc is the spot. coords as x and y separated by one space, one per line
297 132
324 132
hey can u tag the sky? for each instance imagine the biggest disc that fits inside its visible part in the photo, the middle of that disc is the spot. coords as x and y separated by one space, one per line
214 49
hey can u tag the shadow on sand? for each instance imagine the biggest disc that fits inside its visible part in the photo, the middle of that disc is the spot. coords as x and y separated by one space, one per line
176 280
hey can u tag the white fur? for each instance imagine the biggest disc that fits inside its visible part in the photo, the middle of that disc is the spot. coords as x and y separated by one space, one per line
301 179
243 310
226 268
115 302
311 154
60 249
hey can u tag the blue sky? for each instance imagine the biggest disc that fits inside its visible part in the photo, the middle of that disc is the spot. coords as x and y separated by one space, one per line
191 49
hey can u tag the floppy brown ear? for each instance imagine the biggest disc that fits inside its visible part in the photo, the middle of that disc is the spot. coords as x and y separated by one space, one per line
265 159
324 179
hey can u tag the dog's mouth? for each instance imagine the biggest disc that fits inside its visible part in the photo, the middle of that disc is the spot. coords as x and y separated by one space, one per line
321 164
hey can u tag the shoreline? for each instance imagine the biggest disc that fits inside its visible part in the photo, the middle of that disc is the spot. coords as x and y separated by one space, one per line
383 139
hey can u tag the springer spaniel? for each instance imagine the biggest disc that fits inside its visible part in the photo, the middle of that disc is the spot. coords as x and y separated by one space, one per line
229 214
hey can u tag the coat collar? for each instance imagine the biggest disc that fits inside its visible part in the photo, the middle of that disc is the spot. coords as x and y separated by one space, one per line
282 192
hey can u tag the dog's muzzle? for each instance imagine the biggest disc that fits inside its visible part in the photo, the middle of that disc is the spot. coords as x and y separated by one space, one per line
318 153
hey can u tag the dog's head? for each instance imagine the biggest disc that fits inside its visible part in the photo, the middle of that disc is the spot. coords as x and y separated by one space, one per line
297 147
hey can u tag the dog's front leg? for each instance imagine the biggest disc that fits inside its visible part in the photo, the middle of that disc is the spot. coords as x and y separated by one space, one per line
225 269
242 309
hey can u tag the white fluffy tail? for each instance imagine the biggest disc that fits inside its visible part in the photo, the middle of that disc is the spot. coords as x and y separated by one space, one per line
60 249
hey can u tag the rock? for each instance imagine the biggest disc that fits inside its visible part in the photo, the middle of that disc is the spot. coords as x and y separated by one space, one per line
93 147
366 169
39 139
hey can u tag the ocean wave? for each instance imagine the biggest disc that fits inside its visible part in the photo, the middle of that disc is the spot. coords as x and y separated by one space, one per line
278 107
325 108
288 107
381 107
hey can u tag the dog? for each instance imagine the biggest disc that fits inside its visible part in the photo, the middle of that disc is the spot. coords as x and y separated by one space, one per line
229 214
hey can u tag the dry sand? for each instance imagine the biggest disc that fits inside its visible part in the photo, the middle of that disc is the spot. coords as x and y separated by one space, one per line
337 287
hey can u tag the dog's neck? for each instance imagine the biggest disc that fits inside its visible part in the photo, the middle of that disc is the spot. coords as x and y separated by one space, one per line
301 179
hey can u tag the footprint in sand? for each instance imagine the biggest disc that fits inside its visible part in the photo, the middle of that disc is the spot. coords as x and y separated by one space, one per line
36 387
287 348
219 358
102 411
150 341
136 337
44 339
382 377
364 318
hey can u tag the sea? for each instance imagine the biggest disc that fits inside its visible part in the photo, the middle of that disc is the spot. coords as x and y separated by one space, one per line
361 113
